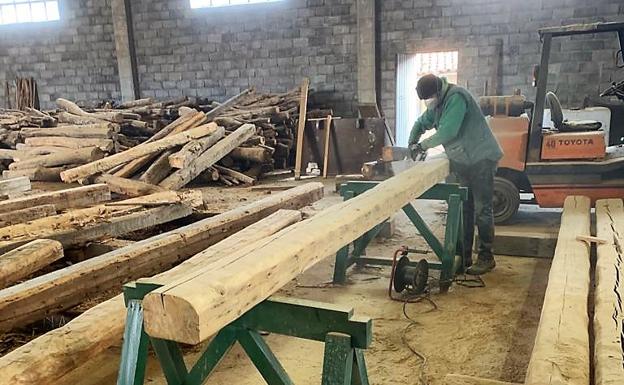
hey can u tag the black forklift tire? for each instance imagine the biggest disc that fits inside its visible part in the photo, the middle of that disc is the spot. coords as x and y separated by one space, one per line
506 200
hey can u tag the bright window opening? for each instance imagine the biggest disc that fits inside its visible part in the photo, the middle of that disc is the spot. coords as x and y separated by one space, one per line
410 69
28 11
224 3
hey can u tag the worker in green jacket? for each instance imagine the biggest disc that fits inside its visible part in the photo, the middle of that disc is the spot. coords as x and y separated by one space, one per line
473 153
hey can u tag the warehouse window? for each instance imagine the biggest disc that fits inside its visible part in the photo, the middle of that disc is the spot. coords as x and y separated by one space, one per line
225 3
28 11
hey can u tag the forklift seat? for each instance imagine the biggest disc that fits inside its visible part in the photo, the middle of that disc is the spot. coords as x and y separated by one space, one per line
562 125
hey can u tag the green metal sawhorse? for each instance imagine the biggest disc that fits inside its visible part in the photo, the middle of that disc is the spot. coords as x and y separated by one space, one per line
450 252
345 337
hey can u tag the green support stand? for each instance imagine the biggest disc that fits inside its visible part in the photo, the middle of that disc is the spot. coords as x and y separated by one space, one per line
345 337
449 252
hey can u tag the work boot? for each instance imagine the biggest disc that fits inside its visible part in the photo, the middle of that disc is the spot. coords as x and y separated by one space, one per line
481 267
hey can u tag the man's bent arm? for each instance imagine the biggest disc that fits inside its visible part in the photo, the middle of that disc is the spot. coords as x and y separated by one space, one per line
424 123
450 123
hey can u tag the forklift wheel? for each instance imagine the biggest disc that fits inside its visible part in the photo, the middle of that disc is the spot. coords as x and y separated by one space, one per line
506 200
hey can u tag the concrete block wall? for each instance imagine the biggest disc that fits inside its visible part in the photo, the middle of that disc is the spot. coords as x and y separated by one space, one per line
218 52
579 66
74 57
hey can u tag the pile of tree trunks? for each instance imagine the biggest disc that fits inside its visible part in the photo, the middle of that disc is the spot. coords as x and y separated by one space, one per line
237 141
259 131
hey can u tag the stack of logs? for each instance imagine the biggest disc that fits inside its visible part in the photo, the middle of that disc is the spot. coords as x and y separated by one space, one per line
234 143
242 138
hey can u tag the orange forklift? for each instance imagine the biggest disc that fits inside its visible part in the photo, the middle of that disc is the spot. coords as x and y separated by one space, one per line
568 158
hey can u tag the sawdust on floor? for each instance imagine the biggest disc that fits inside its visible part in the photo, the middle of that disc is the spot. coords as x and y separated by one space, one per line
486 332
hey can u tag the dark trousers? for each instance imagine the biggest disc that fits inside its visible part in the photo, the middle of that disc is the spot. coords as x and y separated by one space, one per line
479 178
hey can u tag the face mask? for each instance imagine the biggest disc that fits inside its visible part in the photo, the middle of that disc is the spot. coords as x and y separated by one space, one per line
431 102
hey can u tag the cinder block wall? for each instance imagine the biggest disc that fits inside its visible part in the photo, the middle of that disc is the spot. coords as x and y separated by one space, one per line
74 57
216 53
219 52
578 66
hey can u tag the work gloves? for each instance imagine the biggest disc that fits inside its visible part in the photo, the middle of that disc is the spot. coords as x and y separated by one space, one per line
417 152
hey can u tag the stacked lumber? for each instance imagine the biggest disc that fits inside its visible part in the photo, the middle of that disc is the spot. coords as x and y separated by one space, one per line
50 357
32 300
561 351
608 313
201 303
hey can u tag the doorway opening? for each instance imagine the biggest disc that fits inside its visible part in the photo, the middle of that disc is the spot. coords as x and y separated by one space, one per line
410 68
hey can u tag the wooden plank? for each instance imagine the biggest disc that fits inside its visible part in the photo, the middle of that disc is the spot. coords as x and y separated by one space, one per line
235 174
62 199
328 126
27 214
207 159
66 288
458 379
77 227
195 148
28 259
141 150
127 187
105 145
13 186
608 313
56 353
175 311
92 131
71 156
303 106
561 351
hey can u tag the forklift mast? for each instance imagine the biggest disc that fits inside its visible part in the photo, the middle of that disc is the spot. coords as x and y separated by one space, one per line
546 35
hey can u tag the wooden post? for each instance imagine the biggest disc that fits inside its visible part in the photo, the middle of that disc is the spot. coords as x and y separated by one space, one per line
199 305
303 109
608 295
328 125
561 351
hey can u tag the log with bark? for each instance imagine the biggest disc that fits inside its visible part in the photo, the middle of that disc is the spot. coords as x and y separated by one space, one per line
68 157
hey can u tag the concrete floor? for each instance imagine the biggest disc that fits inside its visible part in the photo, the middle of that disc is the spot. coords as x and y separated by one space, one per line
486 332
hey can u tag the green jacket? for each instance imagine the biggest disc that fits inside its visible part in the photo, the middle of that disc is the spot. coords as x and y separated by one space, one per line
460 127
